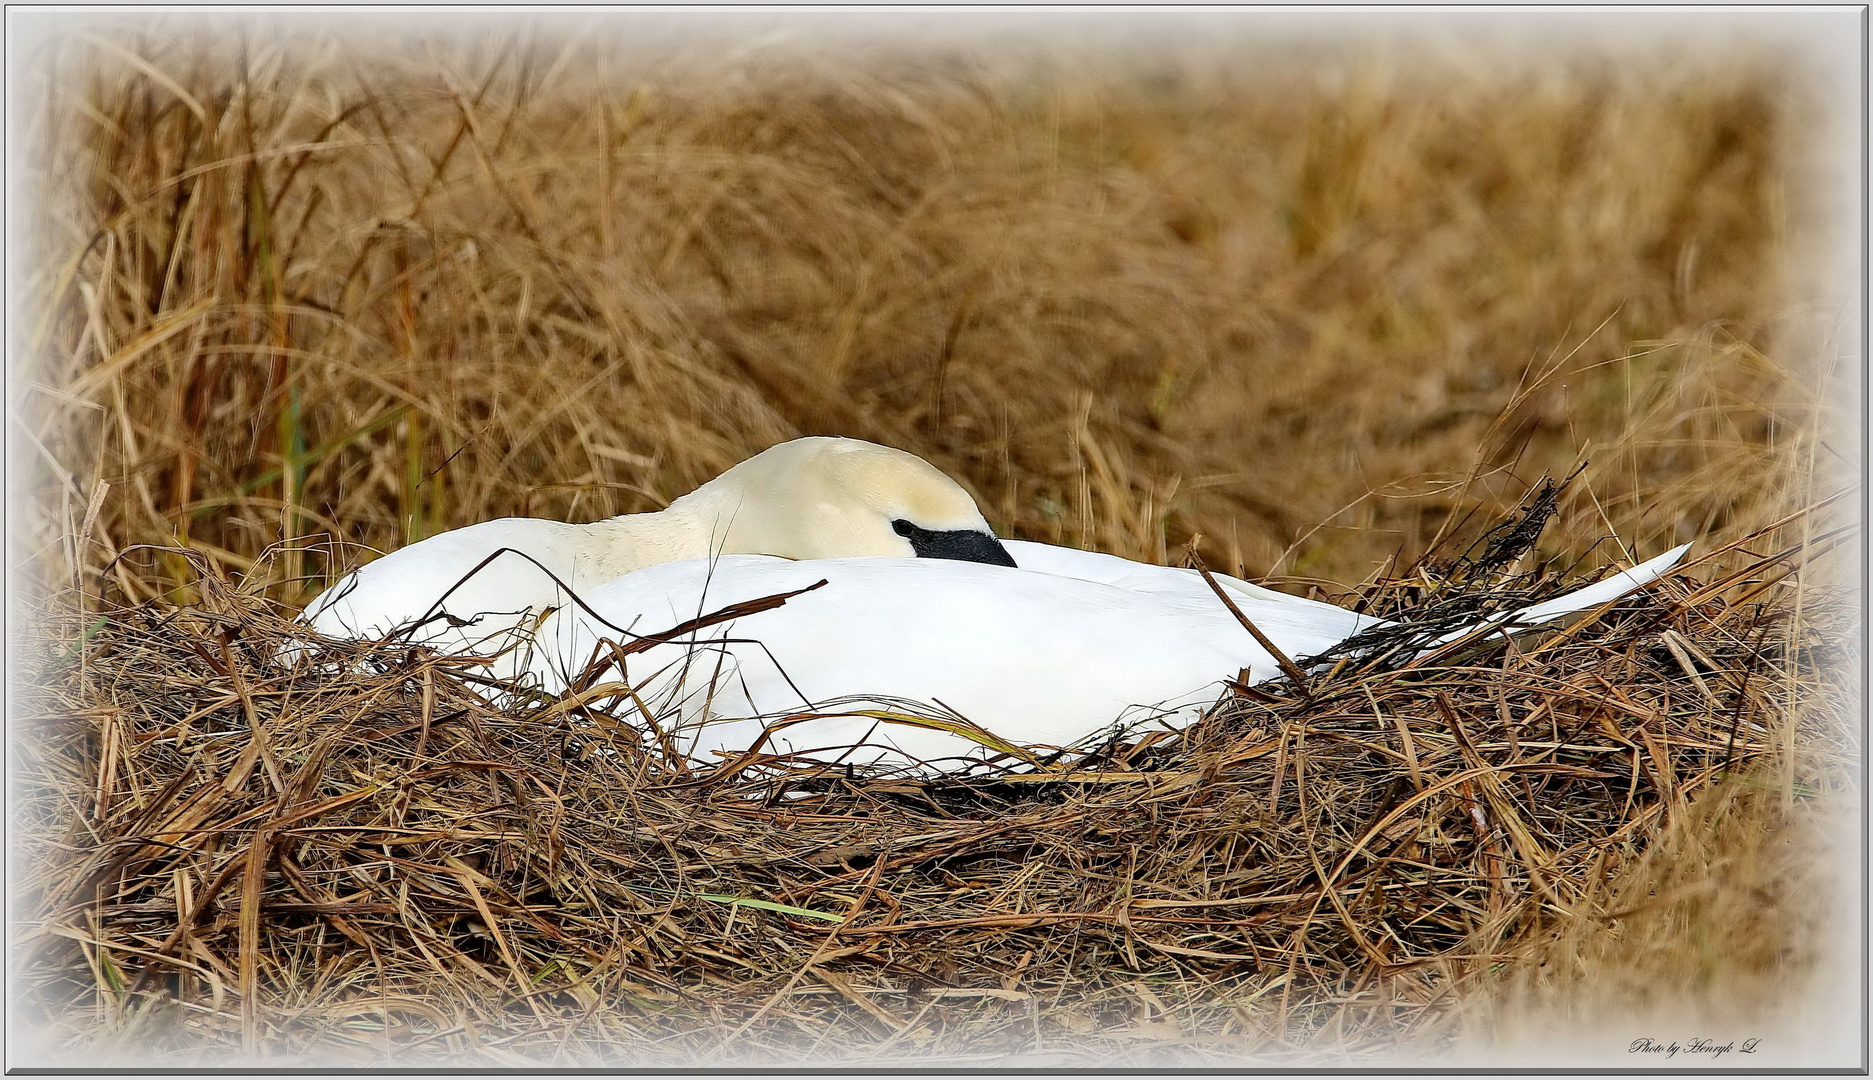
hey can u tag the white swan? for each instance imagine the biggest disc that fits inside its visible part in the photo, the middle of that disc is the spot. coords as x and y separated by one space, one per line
1036 644
1055 652
464 590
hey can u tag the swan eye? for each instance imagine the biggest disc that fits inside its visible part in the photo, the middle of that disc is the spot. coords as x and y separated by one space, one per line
963 545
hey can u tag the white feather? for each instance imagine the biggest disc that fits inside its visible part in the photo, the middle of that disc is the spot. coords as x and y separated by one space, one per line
1037 658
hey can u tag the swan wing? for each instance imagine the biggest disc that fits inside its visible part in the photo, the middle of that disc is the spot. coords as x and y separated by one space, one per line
1144 577
487 578
1035 659
1605 591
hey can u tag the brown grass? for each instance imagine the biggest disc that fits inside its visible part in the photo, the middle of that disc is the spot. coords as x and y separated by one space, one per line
1320 314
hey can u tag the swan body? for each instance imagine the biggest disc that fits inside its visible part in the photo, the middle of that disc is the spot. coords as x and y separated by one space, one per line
1035 658
466 589
930 642
1150 578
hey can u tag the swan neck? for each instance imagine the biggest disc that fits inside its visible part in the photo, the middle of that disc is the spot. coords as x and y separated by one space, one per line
631 542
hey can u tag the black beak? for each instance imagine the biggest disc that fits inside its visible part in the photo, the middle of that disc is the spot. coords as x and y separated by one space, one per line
963 545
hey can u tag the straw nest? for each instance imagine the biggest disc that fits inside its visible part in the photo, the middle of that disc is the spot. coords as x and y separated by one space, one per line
338 863
1315 304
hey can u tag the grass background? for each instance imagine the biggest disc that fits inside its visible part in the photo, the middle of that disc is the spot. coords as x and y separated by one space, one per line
1314 308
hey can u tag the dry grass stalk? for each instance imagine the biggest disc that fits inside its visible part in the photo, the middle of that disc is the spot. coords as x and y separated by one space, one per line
299 303
357 303
268 848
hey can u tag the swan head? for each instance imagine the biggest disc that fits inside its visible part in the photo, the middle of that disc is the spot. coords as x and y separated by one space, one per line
823 497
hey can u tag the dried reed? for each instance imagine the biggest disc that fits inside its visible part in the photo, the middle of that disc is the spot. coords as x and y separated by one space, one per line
1317 315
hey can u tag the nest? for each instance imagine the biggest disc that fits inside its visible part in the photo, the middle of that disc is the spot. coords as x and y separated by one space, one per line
318 862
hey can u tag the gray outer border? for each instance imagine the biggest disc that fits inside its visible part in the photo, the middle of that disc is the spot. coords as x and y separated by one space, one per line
1390 20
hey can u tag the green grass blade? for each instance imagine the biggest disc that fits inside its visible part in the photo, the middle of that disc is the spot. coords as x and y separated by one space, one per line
300 461
744 901
89 632
769 905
